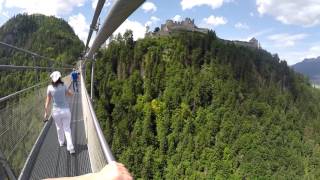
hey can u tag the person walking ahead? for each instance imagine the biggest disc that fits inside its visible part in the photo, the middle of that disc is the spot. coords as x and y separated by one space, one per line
75 76
61 114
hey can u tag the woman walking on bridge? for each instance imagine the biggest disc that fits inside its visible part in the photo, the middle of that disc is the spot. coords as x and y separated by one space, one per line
60 110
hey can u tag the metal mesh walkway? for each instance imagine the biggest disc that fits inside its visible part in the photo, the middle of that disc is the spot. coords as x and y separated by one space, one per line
55 161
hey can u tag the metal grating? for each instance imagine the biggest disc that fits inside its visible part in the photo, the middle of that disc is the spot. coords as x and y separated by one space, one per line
55 161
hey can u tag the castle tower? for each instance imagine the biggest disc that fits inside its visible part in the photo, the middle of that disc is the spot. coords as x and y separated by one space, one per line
169 22
254 42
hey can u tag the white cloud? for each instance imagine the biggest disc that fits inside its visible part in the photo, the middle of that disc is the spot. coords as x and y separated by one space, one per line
95 2
2 12
5 14
153 21
48 7
215 20
1 5
251 14
256 35
286 40
177 18
293 57
298 12
80 26
154 18
240 25
137 28
148 23
149 7
259 33
314 51
189 4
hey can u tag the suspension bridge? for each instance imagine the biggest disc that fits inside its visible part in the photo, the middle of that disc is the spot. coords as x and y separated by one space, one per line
29 148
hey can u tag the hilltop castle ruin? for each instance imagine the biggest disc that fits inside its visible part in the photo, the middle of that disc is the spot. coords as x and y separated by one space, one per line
172 26
188 25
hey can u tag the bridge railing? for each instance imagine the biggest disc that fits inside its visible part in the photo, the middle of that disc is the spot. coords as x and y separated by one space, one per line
99 151
20 124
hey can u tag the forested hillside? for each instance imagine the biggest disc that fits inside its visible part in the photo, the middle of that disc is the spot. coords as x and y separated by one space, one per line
189 106
47 36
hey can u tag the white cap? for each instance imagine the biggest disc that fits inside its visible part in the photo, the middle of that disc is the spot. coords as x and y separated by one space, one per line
55 76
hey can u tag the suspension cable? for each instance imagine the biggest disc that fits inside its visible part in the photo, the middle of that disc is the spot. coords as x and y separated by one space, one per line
19 92
29 52
119 12
31 67
94 21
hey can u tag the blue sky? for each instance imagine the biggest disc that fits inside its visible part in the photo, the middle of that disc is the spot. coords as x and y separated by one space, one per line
289 28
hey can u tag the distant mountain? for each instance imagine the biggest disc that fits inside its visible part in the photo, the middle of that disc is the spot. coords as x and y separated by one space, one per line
309 67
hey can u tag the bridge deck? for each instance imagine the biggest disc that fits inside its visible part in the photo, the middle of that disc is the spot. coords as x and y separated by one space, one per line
55 161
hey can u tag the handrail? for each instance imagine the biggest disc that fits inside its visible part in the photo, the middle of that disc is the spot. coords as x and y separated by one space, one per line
105 147
104 144
19 92
25 172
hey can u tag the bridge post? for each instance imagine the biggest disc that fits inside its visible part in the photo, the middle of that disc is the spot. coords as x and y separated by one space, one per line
35 69
92 77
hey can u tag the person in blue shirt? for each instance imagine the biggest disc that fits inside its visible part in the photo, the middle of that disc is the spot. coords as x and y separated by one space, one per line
74 78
